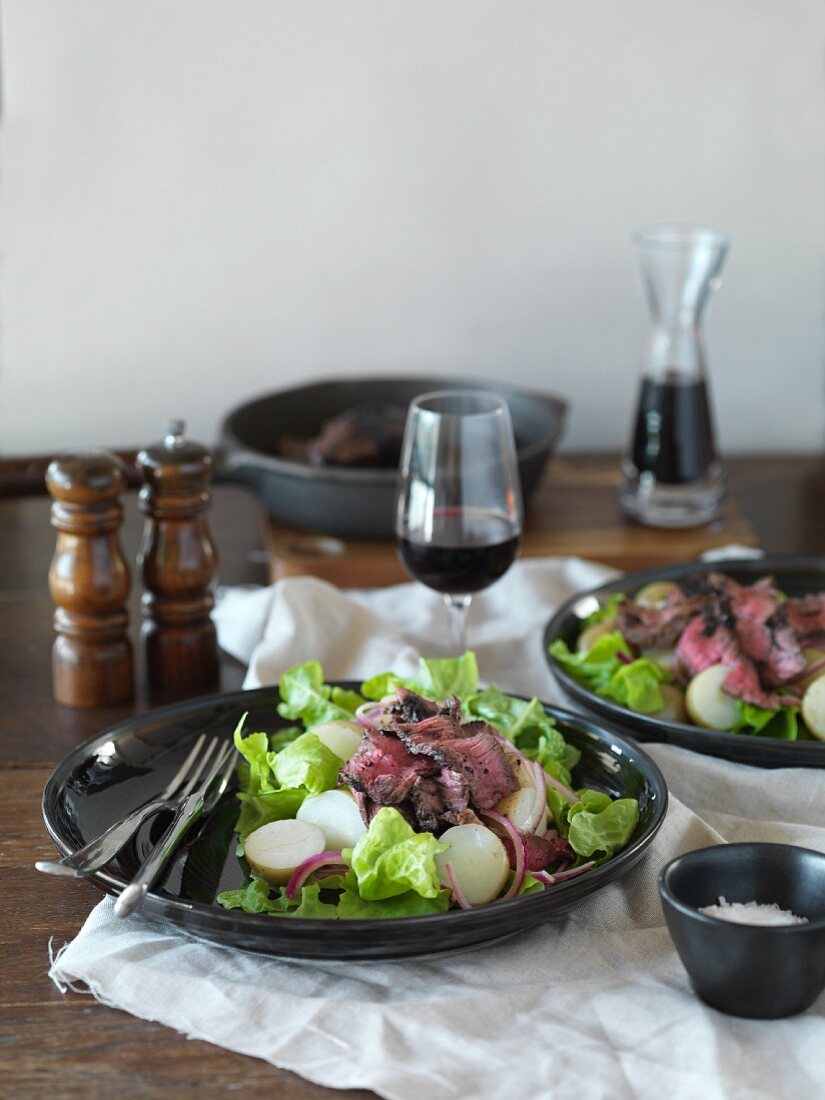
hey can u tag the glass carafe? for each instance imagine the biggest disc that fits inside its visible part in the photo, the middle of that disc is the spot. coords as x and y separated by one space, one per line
671 475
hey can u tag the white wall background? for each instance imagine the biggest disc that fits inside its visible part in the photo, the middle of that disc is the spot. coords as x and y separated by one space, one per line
202 200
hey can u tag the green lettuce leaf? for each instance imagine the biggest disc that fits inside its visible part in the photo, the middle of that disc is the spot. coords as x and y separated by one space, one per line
260 809
260 897
605 612
351 906
438 678
304 695
390 858
306 762
594 667
255 774
636 685
600 833
524 722
782 724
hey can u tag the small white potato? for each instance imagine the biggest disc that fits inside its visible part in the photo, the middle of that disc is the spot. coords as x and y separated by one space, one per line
707 704
341 737
336 815
813 708
276 849
812 657
674 709
655 593
520 808
479 862
661 657
591 635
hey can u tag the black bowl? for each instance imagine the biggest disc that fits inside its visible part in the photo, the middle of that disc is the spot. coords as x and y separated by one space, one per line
796 576
101 781
744 969
336 500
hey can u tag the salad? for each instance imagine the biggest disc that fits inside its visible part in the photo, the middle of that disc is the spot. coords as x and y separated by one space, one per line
711 652
410 797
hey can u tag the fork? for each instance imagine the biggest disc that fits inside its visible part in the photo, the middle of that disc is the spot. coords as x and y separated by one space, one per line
195 805
97 853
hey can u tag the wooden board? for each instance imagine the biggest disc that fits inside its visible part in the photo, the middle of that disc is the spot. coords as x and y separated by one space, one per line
575 512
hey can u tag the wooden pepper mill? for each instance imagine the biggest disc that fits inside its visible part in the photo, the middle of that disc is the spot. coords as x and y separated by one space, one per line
178 562
89 582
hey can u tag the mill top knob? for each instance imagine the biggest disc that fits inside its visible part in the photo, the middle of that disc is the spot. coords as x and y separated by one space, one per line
175 465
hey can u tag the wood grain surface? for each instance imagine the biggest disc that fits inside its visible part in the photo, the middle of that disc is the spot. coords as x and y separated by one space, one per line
56 1045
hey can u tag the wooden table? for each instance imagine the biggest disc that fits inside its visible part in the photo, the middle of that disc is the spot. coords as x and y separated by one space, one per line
70 1046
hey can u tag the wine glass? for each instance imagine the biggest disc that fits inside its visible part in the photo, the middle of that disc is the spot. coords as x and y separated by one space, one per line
458 519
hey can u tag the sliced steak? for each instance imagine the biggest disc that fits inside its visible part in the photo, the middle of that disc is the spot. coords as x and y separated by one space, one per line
655 627
806 616
383 769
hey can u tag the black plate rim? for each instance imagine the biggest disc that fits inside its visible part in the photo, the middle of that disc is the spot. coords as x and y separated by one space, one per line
744 748
159 904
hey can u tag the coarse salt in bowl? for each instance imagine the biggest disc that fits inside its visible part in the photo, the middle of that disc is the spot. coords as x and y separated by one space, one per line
723 906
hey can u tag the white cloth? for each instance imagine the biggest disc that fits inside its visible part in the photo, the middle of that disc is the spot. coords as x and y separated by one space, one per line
597 1004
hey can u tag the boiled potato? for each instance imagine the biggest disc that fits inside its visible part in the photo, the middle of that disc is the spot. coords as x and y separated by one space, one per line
707 704
591 635
340 736
276 849
655 593
479 862
813 708
520 806
661 657
812 657
336 815
674 709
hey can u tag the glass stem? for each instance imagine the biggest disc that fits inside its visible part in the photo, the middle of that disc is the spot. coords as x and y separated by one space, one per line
457 607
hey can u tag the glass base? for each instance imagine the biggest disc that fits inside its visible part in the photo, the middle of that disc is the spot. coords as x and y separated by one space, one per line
657 505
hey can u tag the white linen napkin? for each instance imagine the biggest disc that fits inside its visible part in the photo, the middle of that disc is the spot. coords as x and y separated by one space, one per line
597 1003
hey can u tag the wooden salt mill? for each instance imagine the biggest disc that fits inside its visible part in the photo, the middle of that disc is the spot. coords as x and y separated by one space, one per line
89 582
178 562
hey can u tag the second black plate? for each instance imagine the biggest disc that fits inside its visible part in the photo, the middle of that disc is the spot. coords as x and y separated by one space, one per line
795 576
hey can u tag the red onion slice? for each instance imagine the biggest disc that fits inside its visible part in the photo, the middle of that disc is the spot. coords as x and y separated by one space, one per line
543 877
305 869
455 889
567 794
365 715
562 876
541 797
518 849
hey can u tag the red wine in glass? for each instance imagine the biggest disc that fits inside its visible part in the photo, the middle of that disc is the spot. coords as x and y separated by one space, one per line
458 523
474 548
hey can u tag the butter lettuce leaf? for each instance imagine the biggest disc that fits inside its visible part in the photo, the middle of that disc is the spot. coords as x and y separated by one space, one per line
600 833
306 762
524 722
605 612
636 686
437 678
608 669
782 724
351 906
305 696
390 859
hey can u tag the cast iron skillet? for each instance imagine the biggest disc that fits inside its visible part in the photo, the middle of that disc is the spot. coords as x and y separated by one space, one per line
796 576
356 502
104 779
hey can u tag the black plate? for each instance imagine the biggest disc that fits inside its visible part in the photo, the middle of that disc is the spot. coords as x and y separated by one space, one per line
795 576
105 778
339 500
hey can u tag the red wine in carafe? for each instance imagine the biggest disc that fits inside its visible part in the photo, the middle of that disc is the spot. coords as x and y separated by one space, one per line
673 434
